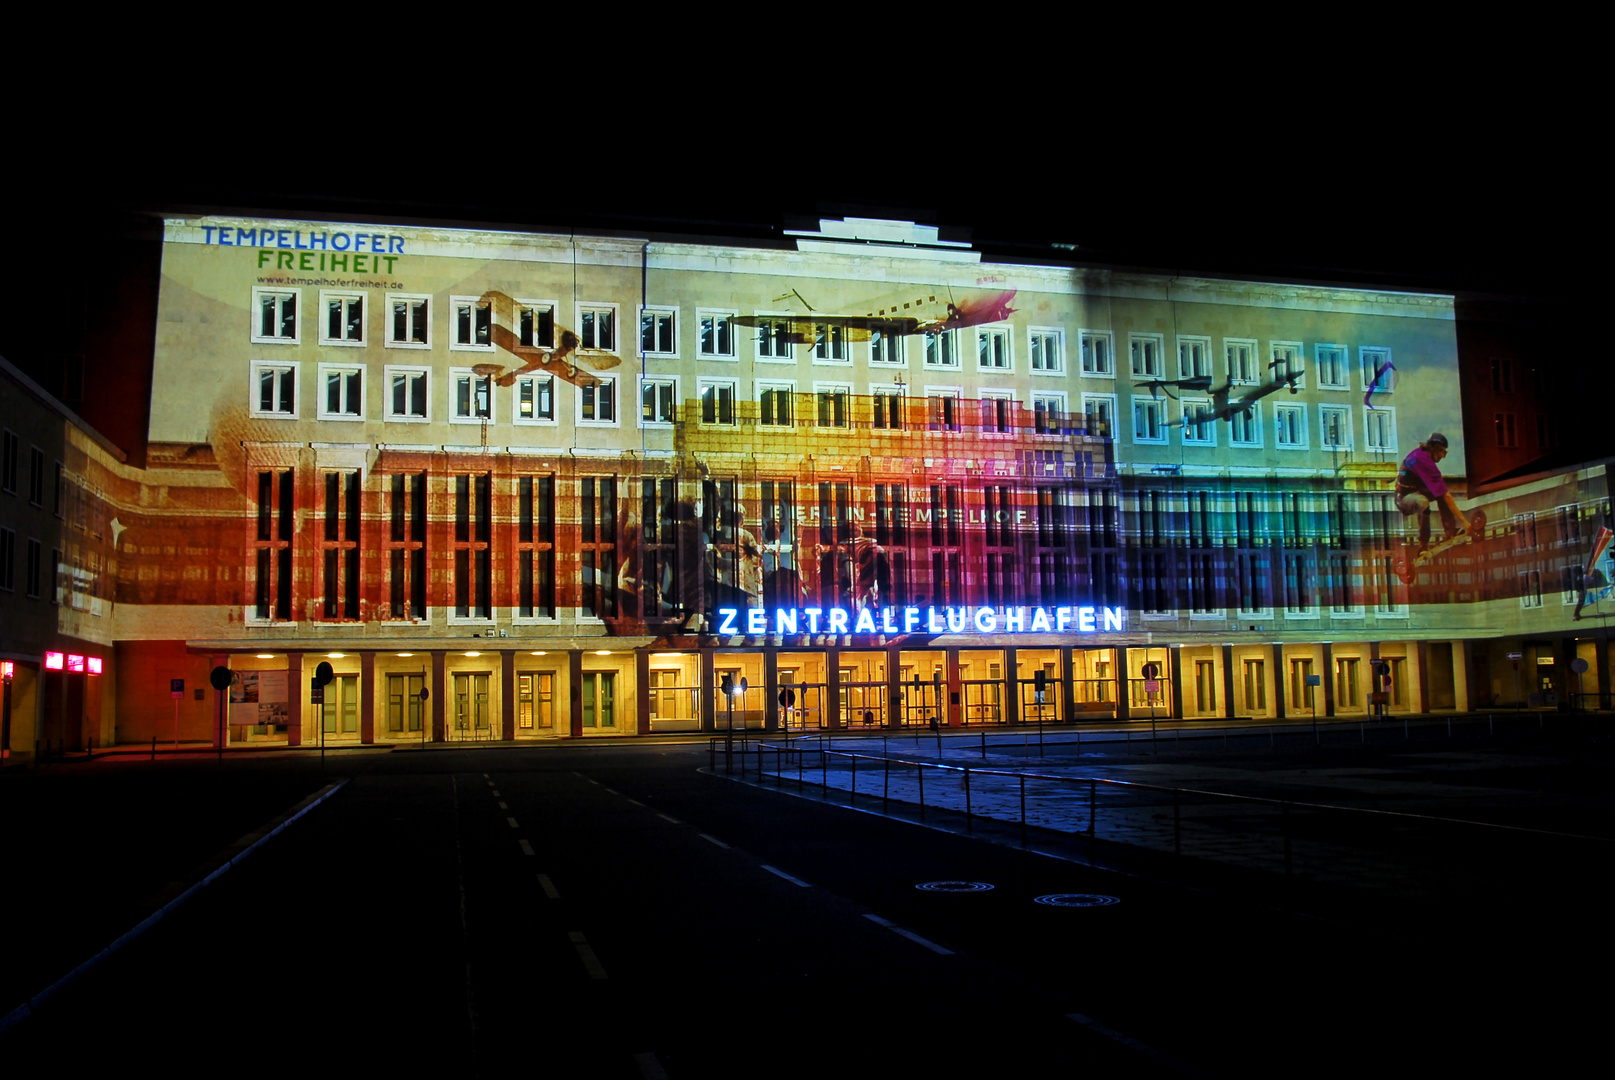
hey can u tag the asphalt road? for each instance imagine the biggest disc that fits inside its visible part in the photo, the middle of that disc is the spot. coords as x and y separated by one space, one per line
616 911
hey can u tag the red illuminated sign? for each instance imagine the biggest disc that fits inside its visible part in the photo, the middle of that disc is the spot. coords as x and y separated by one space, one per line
53 661
75 662
7 670
93 664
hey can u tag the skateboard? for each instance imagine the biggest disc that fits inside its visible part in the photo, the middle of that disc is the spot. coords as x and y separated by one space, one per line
1405 566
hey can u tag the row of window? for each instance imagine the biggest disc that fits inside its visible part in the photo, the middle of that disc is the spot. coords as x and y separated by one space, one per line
10 464
33 568
474 326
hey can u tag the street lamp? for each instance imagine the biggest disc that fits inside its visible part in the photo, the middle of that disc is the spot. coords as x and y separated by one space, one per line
731 690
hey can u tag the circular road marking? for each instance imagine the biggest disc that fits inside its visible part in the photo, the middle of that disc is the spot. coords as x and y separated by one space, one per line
1077 900
954 886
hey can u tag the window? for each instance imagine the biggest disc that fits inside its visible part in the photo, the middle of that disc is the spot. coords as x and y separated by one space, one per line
473 546
8 560
9 458
275 316
658 332
406 394
1099 415
272 547
1299 586
1146 354
1503 425
36 476
1334 427
715 336
1241 359
832 401
406 546
34 553
888 407
1377 370
598 519
339 545
535 324
830 343
1048 414
472 321
1379 425
997 409
472 396
344 319
598 327
1290 427
1530 588
1148 421
342 392
774 339
940 350
535 399
1525 534
1572 581
58 578
717 401
535 547
1502 375
599 699
1286 361
1095 349
992 349
1047 349
885 344
1331 363
1194 357
274 389
409 322
943 406
597 401
1547 432
405 709
1198 430
658 401
775 402
1245 427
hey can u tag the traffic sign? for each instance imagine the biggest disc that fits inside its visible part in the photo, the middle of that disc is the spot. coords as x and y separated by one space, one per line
176 688
1516 656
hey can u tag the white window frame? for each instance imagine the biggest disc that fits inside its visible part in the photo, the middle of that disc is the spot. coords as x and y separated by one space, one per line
997 394
454 414
658 312
253 397
1344 382
1530 590
1108 400
1186 370
1043 345
1053 401
766 320
880 391
658 381
1092 368
996 332
327 370
387 320
954 392
1369 358
616 403
258 337
786 386
535 380
827 387
886 348
1146 402
846 345
733 386
596 308
1299 365
703 314
1344 413
1369 444
1252 375
389 372
1210 426
455 344
1282 409
1133 343
1255 422
535 306
947 341
327 296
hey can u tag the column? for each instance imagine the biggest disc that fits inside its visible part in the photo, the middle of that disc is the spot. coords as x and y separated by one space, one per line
1328 679
642 690
1124 709
296 695
440 697
1421 664
832 690
770 688
709 721
574 693
1601 668
954 690
507 695
1280 680
367 696
1463 683
1068 688
894 689
1012 698
1174 671
1228 682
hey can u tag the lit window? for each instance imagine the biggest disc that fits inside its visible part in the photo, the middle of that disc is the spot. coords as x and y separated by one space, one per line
832 405
774 400
1333 374
996 412
1245 427
992 349
885 344
535 399
1048 414
1334 427
774 339
943 406
1099 415
275 316
1286 362
1241 359
535 324
1377 370
939 349
1380 427
717 402
1146 354
1194 358
658 401
1290 426
1148 421
830 343
1198 428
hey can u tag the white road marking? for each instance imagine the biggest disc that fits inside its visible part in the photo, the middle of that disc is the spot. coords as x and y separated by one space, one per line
1131 1043
609 791
649 1067
485 776
513 824
715 840
911 935
636 802
777 872
526 847
548 886
666 817
502 805
591 962
496 794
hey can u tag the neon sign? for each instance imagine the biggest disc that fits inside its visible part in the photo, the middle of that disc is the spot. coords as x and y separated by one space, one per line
908 620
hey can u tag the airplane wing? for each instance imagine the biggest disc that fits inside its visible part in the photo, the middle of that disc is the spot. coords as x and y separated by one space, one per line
926 311
805 329
1198 383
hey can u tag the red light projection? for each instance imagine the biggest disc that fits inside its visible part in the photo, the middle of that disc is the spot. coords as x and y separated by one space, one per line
92 665
54 661
75 662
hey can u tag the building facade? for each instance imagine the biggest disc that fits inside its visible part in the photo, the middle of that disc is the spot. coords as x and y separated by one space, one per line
571 486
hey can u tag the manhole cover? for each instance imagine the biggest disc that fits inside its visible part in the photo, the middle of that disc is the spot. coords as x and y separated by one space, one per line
1077 900
954 886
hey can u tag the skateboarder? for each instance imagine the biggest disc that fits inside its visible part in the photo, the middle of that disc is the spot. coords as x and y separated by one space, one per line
1418 484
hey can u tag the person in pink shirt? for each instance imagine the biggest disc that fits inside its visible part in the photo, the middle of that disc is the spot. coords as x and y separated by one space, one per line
1418 484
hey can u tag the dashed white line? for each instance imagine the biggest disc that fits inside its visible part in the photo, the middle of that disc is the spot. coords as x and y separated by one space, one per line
496 794
650 1067
636 802
548 886
715 840
669 817
1131 1043
911 935
527 848
513 824
777 872
591 962
502 805
608 791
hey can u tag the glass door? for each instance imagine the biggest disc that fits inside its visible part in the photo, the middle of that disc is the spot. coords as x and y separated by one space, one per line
471 714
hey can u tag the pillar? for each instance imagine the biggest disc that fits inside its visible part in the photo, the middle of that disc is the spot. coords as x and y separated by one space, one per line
1012 675
832 690
507 695
642 690
1279 680
1421 659
296 695
1328 679
1174 671
709 720
955 689
367 696
440 697
574 691
1228 682
1068 686
894 688
1124 709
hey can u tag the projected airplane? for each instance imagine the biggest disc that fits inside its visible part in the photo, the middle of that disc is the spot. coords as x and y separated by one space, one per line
1224 409
918 312
1199 383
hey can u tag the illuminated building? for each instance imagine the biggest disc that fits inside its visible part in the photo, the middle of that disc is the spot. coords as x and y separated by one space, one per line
567 484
